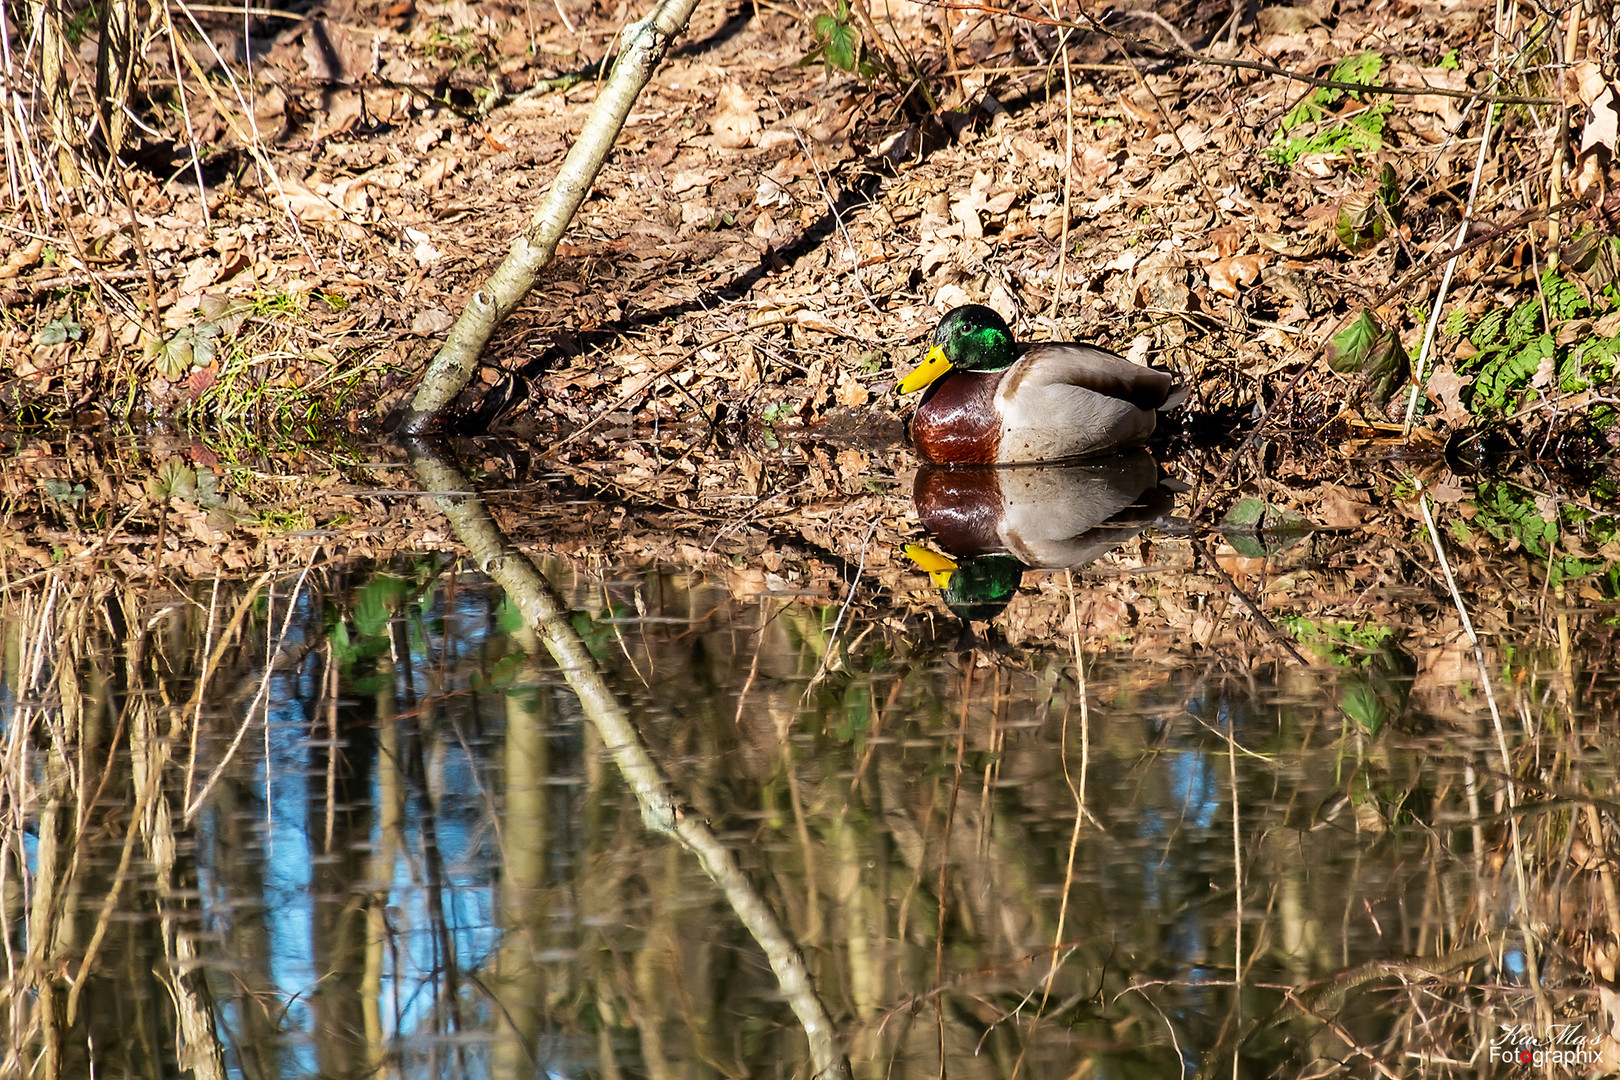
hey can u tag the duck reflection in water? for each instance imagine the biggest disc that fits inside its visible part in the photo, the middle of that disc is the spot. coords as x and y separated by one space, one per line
995 522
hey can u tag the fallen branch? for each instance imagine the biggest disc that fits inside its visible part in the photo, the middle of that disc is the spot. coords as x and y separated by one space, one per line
646 42
662 810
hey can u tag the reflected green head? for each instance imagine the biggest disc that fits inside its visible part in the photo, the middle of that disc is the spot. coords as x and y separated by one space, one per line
982 586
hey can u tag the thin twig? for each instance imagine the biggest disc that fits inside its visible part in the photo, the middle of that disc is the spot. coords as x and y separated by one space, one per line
1068 177
1077 791
1445 279
258 698
211 662
1242 597
1522 908
849 597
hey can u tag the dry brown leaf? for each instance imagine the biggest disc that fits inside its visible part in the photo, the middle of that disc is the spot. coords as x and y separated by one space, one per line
814 320
736 120
335 54
1546 372
1583 84
771 193
24 258
853 464
200 274
1227 240
683 180
1608 1046
1340 507
343 109
851 392
1446 386
515 42
1447 109
1272 21
1096 164
304 204
431 320
1305 244
435 172
1229 276
1446 492
424 252
1603 123
982 198
1028 152
199 382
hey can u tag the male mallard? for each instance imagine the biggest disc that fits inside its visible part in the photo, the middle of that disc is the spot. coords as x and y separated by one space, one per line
996 522
1006 403
1046 516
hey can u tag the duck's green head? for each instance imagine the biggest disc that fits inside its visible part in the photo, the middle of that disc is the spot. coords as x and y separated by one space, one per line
972 338
976 588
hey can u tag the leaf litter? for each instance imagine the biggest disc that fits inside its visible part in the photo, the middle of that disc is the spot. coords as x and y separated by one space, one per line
771 244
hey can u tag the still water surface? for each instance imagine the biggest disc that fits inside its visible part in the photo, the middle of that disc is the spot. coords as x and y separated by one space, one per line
994 862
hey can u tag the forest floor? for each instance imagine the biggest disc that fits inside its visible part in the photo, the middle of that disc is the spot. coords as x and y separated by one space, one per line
773 240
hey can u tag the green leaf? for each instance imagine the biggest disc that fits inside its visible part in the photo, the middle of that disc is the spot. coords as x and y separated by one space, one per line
1362 133
1362 68
343 650
1350 347
1361 222
376 602
1486 330
509 617
1361 704
1246 514
1256 528
224 314
1502 380
58 331
1367 347
1389 188
64 492
843 43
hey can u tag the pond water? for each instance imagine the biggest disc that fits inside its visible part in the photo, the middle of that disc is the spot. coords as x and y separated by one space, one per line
351 818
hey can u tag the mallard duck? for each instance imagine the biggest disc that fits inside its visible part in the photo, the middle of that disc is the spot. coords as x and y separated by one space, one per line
997 522
993 401
1045 516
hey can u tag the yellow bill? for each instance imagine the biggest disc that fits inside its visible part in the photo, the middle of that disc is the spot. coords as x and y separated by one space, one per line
939 567
934 366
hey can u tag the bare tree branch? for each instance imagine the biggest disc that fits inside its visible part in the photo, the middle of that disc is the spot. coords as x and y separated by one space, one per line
646 42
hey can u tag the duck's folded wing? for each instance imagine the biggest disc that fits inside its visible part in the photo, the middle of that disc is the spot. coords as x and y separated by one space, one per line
1096 370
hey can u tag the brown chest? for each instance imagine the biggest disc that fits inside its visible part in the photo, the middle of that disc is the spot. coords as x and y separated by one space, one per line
957 421
961 507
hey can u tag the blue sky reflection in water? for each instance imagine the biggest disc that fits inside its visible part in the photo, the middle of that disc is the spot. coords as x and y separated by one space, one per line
467 888
293 849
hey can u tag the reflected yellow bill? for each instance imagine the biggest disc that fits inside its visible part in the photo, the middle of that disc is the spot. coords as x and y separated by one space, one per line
939 567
